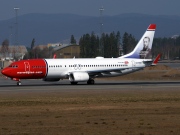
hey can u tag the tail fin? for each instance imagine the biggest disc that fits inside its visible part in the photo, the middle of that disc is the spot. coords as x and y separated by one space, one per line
143 48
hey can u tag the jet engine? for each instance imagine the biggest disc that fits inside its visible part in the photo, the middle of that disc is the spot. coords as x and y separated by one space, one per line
79 76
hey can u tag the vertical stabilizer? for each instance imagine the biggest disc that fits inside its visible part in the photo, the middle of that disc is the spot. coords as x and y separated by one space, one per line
144 46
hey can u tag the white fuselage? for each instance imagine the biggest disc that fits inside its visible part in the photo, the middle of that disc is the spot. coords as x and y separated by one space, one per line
106 67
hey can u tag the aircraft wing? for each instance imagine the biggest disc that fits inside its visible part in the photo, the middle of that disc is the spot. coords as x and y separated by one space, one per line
100 72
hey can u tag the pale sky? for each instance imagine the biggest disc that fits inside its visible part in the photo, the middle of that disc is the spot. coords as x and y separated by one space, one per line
89 7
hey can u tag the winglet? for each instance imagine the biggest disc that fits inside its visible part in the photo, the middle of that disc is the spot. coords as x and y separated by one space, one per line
54 56
156 60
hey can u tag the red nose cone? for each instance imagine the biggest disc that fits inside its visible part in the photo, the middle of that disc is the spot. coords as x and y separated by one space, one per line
3 71
6 72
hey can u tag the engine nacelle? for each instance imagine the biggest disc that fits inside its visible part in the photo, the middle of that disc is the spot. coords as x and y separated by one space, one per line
51 79
79 77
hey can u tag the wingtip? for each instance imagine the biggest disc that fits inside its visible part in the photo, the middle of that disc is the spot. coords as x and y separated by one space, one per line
54 57
156 59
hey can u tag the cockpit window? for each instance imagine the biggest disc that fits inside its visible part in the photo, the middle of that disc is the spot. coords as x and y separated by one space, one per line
13 66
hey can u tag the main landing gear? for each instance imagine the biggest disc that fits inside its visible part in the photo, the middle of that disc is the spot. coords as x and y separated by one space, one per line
90 81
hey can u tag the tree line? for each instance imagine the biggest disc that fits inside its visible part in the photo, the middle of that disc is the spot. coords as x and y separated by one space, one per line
108 45
113 45
168 47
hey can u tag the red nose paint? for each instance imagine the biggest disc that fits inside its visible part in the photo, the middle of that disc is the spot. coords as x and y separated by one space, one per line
26 69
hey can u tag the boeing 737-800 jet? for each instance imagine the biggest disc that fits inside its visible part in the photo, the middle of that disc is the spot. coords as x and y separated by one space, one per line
86 69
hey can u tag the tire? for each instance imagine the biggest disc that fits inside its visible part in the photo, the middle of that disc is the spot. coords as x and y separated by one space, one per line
18 83
90 81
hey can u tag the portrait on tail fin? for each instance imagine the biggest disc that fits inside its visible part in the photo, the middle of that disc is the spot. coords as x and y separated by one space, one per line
146 51
144 46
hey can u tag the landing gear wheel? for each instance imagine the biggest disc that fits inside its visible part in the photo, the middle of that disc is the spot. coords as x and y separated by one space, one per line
74 83
18 83
90 81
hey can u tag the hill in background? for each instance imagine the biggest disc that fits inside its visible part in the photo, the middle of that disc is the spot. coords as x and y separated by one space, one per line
52 28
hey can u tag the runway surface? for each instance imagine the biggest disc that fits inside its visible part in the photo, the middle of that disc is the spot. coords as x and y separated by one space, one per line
107 107
172 65
64 85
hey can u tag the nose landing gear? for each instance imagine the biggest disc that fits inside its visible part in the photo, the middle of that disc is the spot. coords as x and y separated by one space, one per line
18 81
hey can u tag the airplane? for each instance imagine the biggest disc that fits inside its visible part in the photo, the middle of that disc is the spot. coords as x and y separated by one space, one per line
84 69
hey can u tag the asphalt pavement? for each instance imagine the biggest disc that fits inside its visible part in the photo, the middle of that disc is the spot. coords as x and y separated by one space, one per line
37 85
